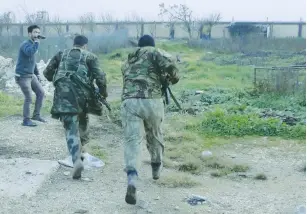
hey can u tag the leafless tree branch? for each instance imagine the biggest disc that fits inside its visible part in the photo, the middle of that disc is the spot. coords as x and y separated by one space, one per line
180 13
107 18
87 21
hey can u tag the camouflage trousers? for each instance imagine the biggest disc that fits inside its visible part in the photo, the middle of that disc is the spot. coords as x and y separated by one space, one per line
142 118
76 131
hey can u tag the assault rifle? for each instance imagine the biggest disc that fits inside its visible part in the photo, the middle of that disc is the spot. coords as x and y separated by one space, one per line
94 90
101 99
166 91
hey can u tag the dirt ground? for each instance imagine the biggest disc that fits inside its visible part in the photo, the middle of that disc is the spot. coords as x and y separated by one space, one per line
103 190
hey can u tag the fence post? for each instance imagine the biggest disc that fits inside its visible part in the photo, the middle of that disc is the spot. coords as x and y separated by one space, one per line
67 28
21 30
300 28
255 77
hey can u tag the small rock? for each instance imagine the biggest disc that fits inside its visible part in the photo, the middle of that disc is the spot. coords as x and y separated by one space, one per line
28 173
242 175
149 211
176 208
157 198
81 211
143 204
206 154
86 179
66 173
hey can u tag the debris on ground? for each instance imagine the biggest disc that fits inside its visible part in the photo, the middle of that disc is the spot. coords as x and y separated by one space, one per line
196 200
205 154
89 162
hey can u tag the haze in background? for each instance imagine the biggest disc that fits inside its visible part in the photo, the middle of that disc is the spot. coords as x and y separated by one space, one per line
239 10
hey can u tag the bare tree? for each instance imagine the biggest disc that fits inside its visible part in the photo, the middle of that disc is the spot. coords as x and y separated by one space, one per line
212 20
208 22
87 21
153 29
107 19
57 25
6 20
39 17
181 13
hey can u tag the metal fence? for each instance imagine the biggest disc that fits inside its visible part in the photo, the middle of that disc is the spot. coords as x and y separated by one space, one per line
289 79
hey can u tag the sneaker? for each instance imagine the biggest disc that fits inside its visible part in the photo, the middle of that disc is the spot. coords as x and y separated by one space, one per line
28 122
78 168
156 170
131 189
38 118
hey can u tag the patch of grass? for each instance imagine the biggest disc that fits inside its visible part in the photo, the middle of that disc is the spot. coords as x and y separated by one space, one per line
220 123
191 164
219 173
10 105
13 105
176 179
97 151
260 176
223 168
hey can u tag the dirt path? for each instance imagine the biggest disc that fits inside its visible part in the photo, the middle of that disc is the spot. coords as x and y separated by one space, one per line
103 191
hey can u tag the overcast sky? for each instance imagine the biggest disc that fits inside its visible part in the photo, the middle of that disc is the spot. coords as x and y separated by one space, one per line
240 10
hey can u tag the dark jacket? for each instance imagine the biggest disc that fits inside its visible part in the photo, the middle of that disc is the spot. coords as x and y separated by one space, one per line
70 96
26 64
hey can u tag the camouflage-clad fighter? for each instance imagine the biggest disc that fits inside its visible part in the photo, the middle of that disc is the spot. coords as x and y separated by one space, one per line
142 106
73 72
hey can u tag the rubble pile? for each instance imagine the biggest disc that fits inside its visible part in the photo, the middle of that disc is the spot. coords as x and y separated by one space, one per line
7 77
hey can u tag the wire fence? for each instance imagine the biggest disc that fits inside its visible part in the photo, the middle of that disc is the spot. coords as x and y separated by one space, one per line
281 80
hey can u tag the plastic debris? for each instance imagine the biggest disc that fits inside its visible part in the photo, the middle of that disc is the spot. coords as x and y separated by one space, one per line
89 162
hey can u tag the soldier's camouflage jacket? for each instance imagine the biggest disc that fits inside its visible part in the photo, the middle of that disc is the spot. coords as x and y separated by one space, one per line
144 70
71 96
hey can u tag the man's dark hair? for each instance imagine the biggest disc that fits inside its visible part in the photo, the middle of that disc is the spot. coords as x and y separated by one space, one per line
146 40
32 27
80 40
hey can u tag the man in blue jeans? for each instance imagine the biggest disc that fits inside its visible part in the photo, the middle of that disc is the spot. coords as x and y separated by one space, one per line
27 76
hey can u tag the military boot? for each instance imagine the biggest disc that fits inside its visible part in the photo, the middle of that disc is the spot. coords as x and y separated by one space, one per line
131 189
156 170
78 168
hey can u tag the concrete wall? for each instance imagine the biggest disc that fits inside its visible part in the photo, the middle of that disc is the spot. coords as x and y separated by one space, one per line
158 29
283 31
304 31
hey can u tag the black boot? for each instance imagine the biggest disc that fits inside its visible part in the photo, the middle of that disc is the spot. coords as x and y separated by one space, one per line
156 170
131 189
